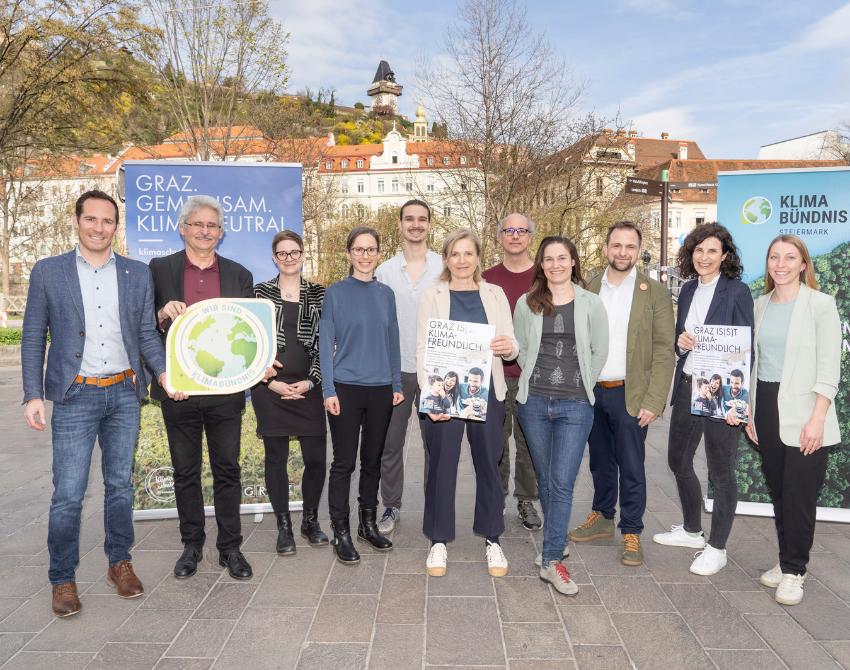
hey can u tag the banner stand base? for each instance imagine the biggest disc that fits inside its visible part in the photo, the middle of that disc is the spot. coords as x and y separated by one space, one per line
257 509
836 514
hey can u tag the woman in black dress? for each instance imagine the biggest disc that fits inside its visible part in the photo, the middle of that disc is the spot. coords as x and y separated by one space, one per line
290 405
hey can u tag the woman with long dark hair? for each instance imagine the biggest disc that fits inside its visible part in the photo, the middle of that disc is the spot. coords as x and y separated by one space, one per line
291 404
462 295
361 381
562 331
796 373
714 296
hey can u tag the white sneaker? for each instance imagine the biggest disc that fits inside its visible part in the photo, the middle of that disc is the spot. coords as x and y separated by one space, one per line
709 561
538 561
389 519
790 589
497 564
772 577
435 564
558 576
679 537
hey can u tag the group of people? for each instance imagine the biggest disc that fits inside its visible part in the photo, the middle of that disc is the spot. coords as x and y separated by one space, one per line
574 363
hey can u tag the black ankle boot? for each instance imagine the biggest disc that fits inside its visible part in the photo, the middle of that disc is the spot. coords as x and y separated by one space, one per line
368 530
310 528
342 544
285 541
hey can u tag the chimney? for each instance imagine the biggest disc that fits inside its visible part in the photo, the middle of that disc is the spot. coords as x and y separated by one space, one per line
665 136
683 151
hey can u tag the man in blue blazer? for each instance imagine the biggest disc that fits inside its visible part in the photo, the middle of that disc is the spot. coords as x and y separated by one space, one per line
98 308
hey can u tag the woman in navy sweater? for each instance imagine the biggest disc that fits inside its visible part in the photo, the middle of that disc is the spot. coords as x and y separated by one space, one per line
714 296
361 382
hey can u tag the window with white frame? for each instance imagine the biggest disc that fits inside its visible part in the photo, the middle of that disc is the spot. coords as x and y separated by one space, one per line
445 160
447 210
408 186
343 163
463 160
394 184
361 186
360 162
344 210
343 186
380 186
329 165
430 186
429 160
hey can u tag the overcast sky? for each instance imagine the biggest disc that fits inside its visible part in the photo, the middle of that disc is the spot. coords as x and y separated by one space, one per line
730 74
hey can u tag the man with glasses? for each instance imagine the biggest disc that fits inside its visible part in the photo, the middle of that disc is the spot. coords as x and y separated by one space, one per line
182 279
411 270
514 274
98 308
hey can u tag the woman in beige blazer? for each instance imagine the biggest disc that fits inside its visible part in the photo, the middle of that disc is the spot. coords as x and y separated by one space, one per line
797 368
462 295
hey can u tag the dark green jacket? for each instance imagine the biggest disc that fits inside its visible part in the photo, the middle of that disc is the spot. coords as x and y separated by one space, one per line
649 351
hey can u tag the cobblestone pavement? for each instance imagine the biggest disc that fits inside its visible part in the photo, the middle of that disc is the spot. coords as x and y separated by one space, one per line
309 611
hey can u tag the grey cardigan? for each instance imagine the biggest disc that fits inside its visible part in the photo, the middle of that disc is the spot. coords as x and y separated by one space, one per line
811 367
591 324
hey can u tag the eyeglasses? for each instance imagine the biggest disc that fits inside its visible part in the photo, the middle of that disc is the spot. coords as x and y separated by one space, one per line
197 225
286 255
522 232
369 252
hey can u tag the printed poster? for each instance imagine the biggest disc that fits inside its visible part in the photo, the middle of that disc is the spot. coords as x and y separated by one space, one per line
457 369
721 376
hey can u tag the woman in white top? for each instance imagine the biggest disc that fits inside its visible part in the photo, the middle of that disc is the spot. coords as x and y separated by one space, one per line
797 370
715 296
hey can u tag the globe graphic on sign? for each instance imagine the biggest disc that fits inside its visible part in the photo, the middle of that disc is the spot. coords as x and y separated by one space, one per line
756 211
217 361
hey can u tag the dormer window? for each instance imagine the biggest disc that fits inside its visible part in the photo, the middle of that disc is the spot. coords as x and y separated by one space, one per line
329 165
430 160
394 159
360 162
463 160
445 160
343 163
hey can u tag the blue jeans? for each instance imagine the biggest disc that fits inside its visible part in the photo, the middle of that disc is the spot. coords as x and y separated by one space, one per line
110 414
556 430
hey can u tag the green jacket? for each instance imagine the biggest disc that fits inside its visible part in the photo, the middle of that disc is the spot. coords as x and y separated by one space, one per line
650 358
591 326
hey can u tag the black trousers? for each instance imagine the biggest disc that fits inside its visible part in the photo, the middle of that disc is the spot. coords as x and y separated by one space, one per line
794 481
367 409
617 452
721 453
277 475
220 417
486 442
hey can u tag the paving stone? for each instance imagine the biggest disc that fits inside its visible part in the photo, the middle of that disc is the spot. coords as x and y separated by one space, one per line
462 578
336 656
734 578
597 657
588 624
397 646
225 601
823 615
151 626
202 638
364 578
603 561
754 557
344 618
632 594
463 631
407 561
839 649
541 664
32 616
184 664
9 605
536 641
87 631
713 620
45 660
10 643
180 594
295 582
791 642
266 638
752 659
753 602
587 595
127 656
660 641
669 564
832 571
21 581
524 599
260 565
402 599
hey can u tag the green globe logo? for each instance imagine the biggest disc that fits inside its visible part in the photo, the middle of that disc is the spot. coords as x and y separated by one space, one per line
756 211
223 363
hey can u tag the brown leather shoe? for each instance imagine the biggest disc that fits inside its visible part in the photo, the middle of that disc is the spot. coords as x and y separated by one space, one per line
65 599
124 580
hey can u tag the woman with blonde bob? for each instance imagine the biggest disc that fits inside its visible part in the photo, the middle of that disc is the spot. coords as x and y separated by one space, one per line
796 371
462 295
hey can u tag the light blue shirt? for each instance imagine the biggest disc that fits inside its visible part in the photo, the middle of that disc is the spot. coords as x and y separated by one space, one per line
773 335
393 273
104 352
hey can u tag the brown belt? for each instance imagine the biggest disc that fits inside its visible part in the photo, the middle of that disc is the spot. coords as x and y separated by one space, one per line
617 383
105 381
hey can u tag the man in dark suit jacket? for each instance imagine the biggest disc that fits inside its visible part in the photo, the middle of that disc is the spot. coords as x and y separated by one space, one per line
182 279
98 308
